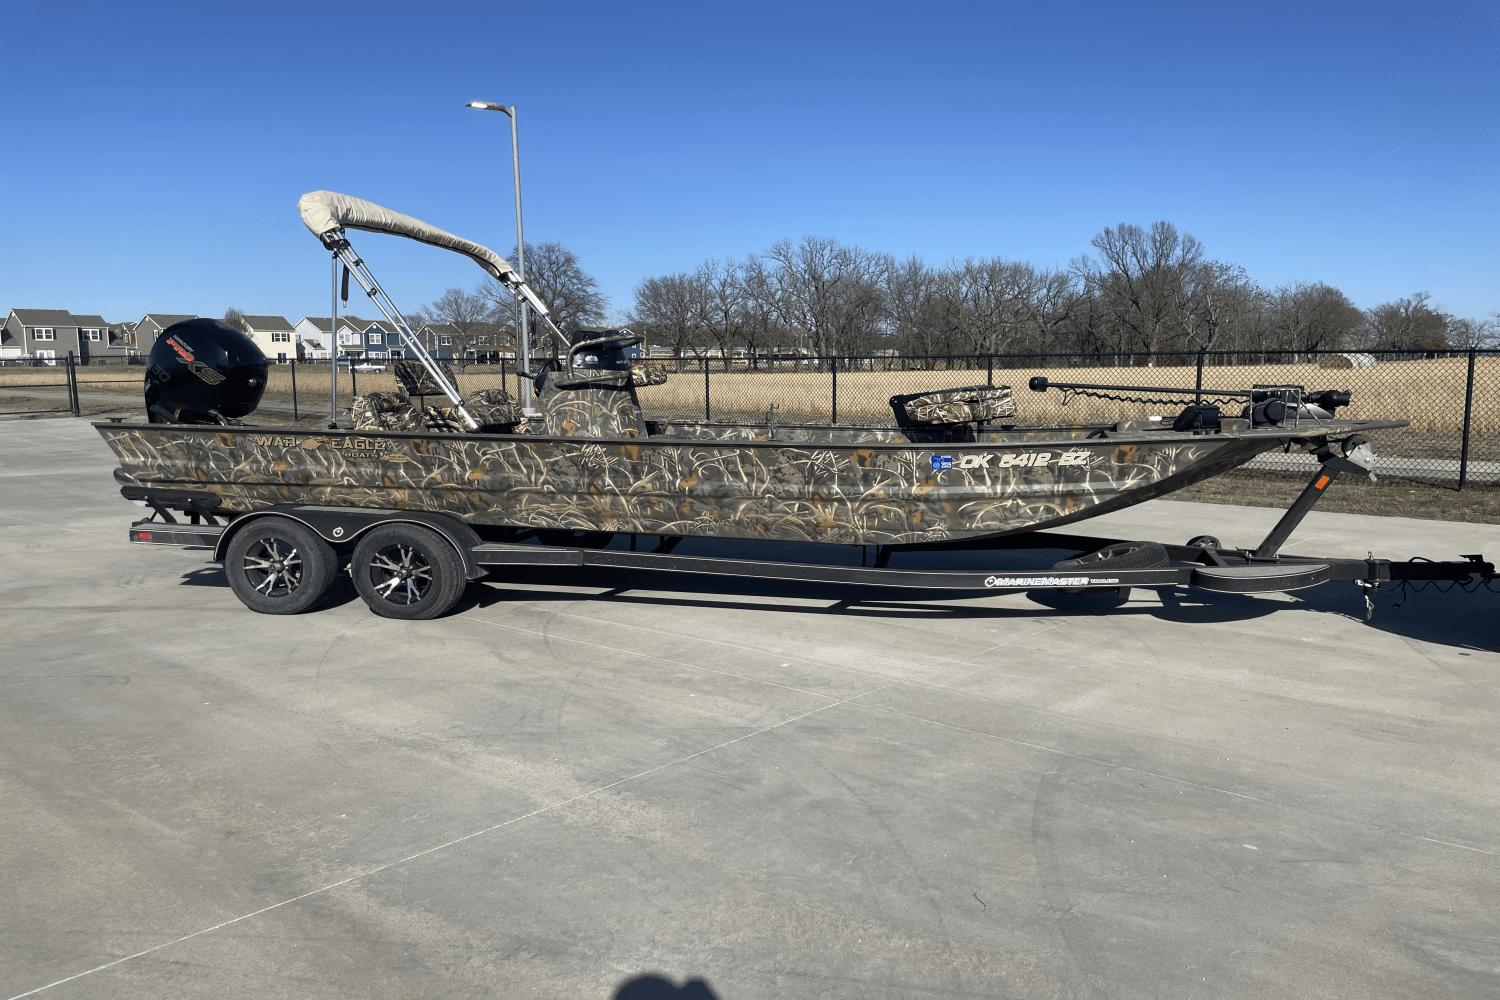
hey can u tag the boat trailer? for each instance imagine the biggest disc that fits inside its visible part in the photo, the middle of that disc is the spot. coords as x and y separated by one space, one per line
965 568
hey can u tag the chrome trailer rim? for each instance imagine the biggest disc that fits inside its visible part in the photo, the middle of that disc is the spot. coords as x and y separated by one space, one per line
274 567
400 574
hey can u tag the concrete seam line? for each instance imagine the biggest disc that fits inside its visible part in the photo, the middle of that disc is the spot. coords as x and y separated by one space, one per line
649 656
1112 765
550 807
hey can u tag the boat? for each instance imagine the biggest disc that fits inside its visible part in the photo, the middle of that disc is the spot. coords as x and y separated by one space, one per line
950 468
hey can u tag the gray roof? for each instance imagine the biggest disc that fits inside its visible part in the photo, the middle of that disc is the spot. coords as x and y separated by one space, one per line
164 320
90 320
276 323
44 317
321 322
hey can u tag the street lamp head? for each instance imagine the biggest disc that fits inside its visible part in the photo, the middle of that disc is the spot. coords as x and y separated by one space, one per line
490 106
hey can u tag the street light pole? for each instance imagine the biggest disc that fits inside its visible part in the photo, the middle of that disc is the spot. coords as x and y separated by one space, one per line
523 337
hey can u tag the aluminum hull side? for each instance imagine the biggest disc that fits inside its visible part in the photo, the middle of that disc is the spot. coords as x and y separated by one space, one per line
897 493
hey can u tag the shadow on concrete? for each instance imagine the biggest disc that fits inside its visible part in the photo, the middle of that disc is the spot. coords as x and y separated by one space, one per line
1467 620
1456 618
652 986
340 592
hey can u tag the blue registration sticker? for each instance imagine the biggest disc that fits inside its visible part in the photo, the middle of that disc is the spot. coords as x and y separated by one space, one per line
940 462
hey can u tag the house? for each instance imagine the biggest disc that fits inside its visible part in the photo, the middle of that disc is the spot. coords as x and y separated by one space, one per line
489 342
101 340
150 326
275 337
39 333
377 339
483 342
122 339
313 336
441 340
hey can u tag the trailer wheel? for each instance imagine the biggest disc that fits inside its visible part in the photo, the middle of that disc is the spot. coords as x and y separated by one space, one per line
277 566
1205 542
408 572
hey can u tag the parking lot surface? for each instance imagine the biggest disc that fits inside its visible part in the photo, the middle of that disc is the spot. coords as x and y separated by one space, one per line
574 783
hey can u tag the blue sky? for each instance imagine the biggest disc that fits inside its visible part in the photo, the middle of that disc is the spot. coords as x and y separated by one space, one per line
157 149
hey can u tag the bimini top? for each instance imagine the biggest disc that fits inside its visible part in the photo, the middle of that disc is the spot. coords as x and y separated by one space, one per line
326 211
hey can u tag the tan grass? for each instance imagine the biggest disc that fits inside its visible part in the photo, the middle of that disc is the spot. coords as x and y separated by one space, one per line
1429 394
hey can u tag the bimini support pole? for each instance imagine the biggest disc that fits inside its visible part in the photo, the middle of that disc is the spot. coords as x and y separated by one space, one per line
336 241
333 351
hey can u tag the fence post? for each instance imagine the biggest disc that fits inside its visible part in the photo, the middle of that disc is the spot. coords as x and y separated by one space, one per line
1463 451
989 370
707 409
1198 388
833 367
353 380
73 387
295 415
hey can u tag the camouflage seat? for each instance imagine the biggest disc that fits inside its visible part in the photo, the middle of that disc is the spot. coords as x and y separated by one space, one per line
964 405
385 411
644 374
391 411
414 377
493 408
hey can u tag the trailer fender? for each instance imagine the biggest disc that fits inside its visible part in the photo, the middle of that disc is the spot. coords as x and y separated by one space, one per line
342 526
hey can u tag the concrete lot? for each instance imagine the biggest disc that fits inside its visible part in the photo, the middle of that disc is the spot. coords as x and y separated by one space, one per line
565 787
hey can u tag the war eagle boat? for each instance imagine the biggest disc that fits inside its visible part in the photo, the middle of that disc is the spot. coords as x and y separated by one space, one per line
424 498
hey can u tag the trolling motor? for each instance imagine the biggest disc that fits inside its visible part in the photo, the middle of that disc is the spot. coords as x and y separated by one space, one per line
1265 405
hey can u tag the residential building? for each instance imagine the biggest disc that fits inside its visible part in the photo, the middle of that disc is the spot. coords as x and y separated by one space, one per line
484 341
313 336
150 326
275 337
100 340
440 339
377 340
45 334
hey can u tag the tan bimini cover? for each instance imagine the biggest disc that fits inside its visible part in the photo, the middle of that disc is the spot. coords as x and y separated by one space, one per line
325 211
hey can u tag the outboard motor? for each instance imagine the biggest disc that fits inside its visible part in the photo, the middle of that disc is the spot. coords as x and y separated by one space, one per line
202 371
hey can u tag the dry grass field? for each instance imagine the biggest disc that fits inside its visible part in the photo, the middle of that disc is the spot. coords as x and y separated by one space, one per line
1428 393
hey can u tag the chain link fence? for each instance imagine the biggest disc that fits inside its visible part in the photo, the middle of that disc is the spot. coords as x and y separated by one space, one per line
1451 399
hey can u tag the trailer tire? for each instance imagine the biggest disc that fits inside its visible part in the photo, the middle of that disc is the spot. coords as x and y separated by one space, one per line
278 566
408 572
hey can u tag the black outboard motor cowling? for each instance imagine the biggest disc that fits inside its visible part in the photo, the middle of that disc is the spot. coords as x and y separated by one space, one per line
202 371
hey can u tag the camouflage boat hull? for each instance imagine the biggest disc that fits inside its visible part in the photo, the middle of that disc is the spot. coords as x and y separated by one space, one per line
852 486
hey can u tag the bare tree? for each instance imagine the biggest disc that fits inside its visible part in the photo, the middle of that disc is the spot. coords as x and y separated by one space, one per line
830 293
1312 317
1139 276
1409 321
673 310
1143 291
725 299
1474 334
762 329
571 294
470 314
233 317
922 307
